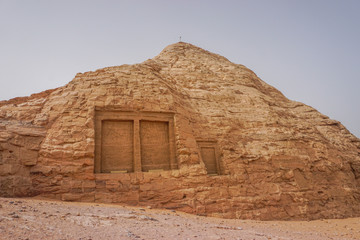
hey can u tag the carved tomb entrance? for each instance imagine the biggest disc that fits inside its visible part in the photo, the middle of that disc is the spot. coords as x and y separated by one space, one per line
134 141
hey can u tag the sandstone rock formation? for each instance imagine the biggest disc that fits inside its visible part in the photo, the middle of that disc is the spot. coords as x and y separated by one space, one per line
186 130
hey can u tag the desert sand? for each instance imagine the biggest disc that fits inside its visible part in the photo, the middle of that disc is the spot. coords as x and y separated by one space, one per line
33 218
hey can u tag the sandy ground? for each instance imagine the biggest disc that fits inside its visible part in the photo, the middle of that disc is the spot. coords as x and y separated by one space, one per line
43 219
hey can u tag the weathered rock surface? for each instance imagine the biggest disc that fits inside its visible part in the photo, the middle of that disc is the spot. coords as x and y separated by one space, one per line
278 159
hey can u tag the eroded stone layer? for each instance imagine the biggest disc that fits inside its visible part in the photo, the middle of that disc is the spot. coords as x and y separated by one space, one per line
193 132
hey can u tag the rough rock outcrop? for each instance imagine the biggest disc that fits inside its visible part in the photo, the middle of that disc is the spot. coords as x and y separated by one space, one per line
186 130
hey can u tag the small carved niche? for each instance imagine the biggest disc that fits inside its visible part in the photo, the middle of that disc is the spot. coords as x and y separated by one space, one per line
209 155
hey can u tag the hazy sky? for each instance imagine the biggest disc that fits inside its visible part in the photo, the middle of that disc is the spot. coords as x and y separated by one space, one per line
309 50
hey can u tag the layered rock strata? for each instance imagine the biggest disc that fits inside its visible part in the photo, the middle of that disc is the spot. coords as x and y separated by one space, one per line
186 130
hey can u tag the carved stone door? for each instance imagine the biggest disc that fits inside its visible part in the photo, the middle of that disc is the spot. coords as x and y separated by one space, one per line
155 150
117 146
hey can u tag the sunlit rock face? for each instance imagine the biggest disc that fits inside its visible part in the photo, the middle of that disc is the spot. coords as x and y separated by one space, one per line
186 130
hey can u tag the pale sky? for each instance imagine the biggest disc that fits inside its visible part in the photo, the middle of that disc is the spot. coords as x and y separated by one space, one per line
308 49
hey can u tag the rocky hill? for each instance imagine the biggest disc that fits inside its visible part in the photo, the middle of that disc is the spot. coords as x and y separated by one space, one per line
186 130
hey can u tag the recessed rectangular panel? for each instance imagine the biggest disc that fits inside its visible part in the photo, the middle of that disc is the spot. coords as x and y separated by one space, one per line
209 158
117 146
155 147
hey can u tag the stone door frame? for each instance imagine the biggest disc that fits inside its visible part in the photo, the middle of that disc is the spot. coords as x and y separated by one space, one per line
118 115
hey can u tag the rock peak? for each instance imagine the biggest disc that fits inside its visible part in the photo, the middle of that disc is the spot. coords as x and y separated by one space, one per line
188 50
180 47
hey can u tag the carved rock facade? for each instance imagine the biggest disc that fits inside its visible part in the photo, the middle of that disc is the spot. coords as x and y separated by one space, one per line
186 130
